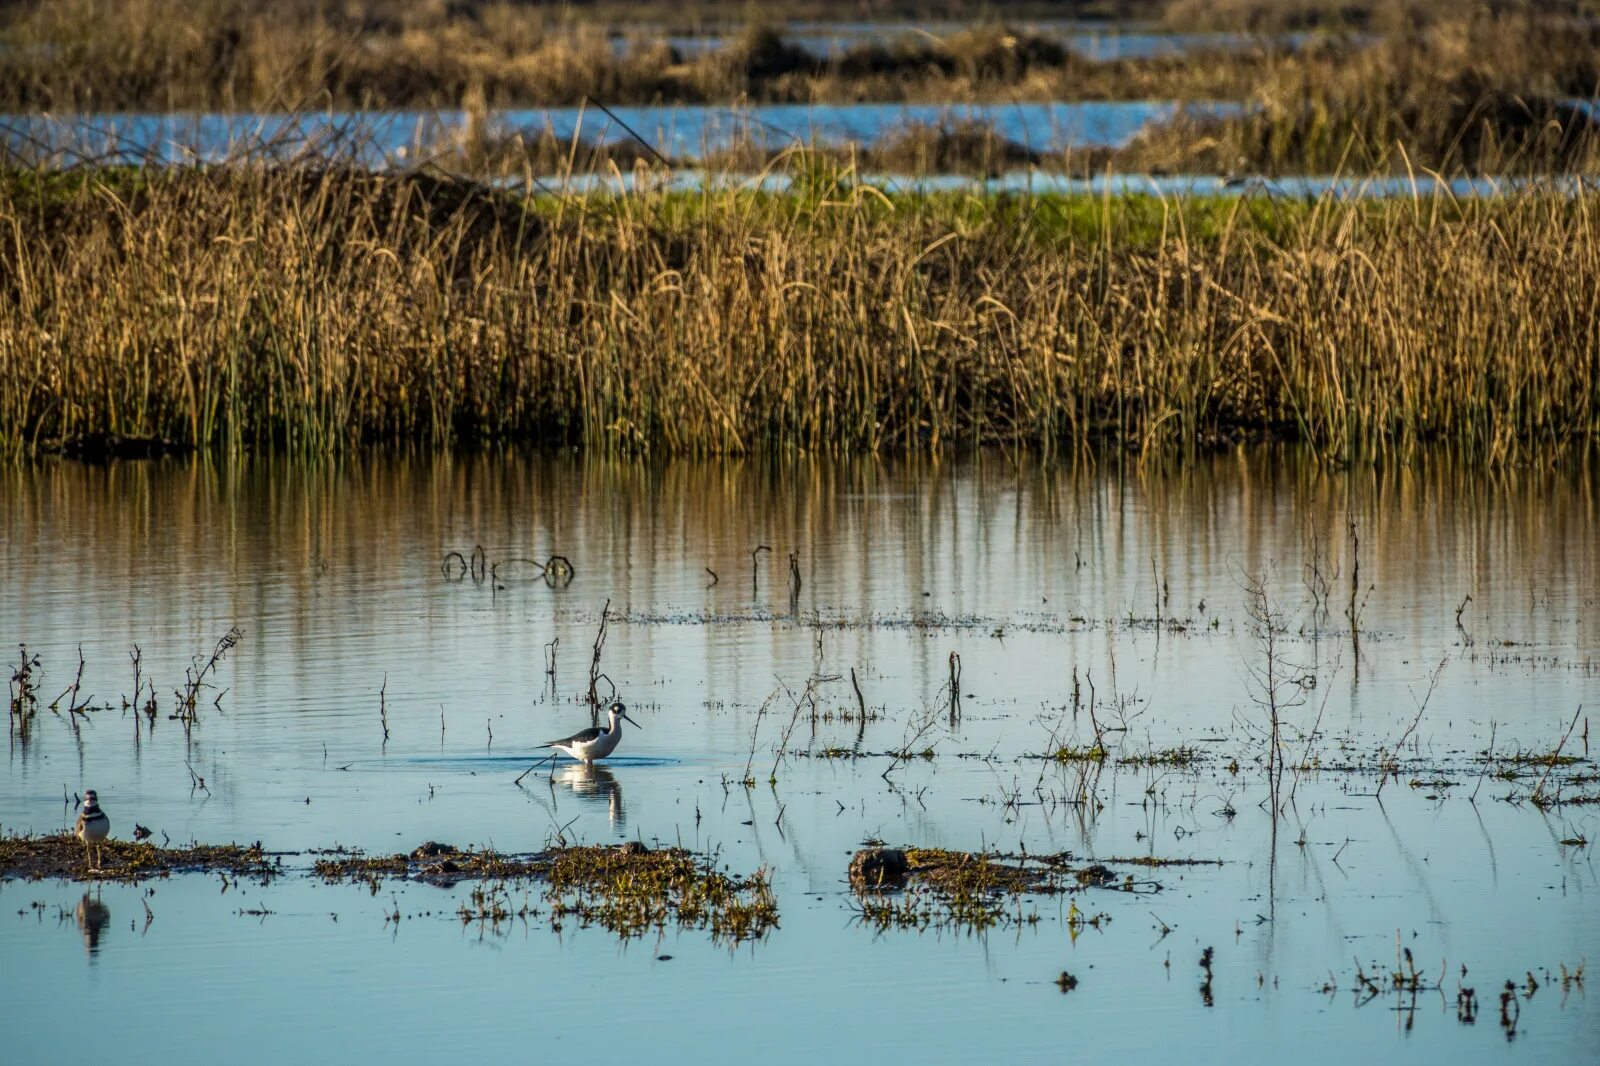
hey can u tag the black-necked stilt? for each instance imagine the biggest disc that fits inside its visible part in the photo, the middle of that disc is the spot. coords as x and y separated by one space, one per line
590 744
93 826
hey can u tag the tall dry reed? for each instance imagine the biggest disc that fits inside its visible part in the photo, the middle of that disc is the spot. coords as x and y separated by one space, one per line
313 310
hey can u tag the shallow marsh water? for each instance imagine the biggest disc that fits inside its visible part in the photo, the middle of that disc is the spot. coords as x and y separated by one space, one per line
682 131
1027 572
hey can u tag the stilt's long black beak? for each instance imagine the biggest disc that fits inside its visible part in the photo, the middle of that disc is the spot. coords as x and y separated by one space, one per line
624 714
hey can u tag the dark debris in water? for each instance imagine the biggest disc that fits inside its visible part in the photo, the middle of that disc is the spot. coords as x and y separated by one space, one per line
61 855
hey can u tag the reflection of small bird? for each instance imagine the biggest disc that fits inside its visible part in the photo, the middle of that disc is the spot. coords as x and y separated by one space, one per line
594 783
590 744
93 916
93 826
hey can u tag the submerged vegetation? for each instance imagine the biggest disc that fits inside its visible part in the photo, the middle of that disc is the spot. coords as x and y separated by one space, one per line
314 308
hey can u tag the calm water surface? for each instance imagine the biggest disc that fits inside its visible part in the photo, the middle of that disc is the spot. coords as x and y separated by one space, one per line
1131 580
682 131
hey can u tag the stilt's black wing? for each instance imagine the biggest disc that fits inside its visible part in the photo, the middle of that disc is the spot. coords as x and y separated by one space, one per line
583 736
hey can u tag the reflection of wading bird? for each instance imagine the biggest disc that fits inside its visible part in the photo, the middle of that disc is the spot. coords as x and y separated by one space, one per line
590 744
593 782
92 916
93 827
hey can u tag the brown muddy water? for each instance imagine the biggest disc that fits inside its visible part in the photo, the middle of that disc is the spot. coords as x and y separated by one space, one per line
1100 614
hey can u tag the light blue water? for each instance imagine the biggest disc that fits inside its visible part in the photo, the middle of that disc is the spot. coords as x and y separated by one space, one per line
679 131
401 140
1027 573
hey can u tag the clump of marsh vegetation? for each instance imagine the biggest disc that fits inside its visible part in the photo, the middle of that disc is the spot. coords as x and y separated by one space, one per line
60 855
87 55
629 890
1474 83
315 308
920 888
74 707
1482 93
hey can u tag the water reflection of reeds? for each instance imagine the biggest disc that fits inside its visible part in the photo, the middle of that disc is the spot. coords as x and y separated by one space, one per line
322 550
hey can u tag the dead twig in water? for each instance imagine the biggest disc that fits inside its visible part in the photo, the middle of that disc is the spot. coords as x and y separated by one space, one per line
861 709
137 655
1555 758
594 665
1488 760
755 731
1466 638
955 688
194 678
72 690
383 707
915 731
1389 763
755 566
807 697
1353 612
551 758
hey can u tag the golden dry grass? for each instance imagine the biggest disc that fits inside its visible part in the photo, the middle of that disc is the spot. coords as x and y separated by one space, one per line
1481 92
314 310
89 55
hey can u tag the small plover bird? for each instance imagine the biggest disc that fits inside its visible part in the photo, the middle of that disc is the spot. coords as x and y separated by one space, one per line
93 826
590 744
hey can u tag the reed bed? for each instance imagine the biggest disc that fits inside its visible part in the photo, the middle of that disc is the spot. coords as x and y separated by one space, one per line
98 55
1483 92
314 310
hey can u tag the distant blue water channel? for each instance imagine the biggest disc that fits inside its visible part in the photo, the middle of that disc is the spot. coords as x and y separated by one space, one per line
679 131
